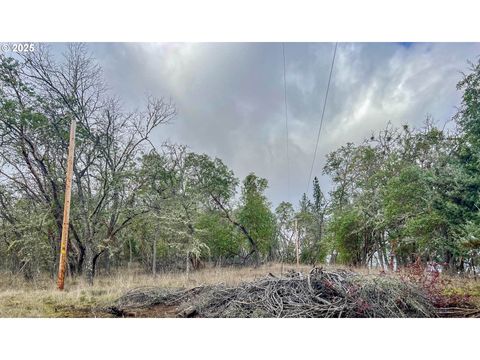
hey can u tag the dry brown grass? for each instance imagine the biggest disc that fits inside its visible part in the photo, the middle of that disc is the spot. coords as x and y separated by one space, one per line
40 298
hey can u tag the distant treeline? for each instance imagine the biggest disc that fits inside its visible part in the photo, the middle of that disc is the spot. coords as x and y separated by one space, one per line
403 195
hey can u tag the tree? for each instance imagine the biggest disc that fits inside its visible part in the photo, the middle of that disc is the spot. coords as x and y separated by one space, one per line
319 207
217 184
221 237
255 215
38 99
395 187
345 232
285 215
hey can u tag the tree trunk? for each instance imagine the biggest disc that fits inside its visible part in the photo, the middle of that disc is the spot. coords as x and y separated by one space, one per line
108 261
333 257
154 261
241 227
380 258
389 263
89 265
130 258
461 266
80 260
473 269
450 262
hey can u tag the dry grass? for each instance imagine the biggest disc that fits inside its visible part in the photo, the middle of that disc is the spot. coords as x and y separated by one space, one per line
463 288
39 298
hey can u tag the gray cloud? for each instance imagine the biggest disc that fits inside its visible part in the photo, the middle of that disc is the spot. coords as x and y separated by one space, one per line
229 96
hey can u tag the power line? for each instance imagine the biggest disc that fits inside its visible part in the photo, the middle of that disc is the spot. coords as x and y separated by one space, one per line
321 119
286 119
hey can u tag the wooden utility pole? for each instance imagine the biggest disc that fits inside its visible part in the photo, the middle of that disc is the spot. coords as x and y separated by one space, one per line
297 245
66 209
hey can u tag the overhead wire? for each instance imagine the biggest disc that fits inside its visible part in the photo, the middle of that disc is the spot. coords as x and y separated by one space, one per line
322 117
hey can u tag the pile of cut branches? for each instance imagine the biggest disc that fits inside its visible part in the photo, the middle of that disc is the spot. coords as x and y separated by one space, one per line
319 293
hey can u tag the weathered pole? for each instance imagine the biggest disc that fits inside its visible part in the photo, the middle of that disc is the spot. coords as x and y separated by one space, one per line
297 245
66 209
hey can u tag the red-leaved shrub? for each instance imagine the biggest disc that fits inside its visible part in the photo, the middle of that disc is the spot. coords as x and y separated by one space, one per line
429 278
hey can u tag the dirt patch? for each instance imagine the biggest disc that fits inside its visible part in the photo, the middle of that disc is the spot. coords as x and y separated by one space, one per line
155 311
79 312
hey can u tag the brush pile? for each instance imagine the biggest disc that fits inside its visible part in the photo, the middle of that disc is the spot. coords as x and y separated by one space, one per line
318 294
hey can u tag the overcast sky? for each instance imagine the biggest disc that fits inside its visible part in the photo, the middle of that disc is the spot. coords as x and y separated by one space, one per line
230 97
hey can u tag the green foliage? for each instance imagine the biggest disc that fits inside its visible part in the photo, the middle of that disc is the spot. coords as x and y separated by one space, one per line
285 214
211 177
469 114
405 187
345 236
255 214
220 236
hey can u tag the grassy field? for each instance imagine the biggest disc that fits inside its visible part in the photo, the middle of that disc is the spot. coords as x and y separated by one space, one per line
40 298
